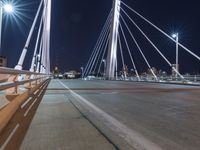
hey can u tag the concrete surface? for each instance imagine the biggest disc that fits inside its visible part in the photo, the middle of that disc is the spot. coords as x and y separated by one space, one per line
58 125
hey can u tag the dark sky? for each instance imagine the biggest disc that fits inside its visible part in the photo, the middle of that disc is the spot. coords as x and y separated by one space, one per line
76 25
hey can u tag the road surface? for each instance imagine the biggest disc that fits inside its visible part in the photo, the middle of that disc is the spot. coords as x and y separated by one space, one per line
135 115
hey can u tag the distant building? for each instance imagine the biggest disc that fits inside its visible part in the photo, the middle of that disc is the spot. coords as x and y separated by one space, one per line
173 72
72 74
124 71
56 70
155 71
3 61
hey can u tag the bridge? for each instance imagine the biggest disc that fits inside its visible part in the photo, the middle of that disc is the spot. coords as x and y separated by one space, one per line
107 108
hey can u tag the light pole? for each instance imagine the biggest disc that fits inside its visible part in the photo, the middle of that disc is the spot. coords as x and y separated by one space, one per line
82 72
8 8
37 60
177 65
104 72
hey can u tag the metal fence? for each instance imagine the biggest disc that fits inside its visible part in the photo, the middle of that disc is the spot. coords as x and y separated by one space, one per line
16 88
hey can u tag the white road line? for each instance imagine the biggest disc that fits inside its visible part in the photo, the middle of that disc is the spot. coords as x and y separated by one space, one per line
132 137
26 102
9 138
26 113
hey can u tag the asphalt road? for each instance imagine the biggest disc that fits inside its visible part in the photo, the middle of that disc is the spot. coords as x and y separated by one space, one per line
138 115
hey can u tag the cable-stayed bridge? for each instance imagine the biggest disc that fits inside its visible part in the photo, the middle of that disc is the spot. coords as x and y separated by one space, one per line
118 46
37 112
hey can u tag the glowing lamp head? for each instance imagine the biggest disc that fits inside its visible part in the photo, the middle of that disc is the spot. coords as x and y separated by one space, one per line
8 8
175 35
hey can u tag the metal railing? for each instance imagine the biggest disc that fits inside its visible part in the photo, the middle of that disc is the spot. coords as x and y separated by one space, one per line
188 79
16 87
11 79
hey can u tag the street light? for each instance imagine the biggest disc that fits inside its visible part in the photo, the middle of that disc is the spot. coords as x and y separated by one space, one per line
82 72
7 8
104 61
177 67
37 60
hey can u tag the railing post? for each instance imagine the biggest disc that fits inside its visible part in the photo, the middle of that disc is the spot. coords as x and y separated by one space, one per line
11 93
28 85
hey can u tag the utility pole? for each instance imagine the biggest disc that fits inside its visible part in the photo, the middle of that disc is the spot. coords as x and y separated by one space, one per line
177 55
177 65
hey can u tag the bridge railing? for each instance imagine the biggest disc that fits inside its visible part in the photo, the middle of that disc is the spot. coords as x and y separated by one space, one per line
16 87
11 80
188 79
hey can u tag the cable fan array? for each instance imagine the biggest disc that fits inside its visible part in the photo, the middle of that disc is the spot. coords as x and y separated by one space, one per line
41 57
127 27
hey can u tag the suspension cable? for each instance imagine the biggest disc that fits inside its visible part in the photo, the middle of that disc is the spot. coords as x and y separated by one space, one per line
121 52
104 54
96 50
139 48
102 47
99 47
40 54
160 30
168 62
96 45
24 51
134 66
36 47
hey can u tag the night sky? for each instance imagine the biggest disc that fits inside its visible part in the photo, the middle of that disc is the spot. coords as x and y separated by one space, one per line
76 25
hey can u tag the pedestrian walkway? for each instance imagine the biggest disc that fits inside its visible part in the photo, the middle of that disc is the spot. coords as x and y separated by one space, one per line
58 125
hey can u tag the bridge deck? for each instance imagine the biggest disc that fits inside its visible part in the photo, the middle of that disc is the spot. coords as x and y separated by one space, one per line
140 115
59 125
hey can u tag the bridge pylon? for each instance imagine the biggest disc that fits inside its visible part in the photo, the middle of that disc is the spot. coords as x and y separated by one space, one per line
112 49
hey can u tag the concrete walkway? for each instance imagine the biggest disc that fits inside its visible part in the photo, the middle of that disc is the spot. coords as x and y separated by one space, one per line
58 125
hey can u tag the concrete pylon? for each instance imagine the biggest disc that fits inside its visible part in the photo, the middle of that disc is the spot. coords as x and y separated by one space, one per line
112 51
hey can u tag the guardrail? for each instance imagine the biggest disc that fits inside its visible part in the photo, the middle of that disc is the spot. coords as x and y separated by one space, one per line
11 79
16 87
188 79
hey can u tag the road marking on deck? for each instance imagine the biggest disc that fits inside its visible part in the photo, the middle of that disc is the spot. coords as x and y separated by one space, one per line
9 137
30 107
132 137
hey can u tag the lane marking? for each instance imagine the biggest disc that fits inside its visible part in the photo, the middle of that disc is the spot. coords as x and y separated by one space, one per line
132 137
9 138
30 107
26 102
